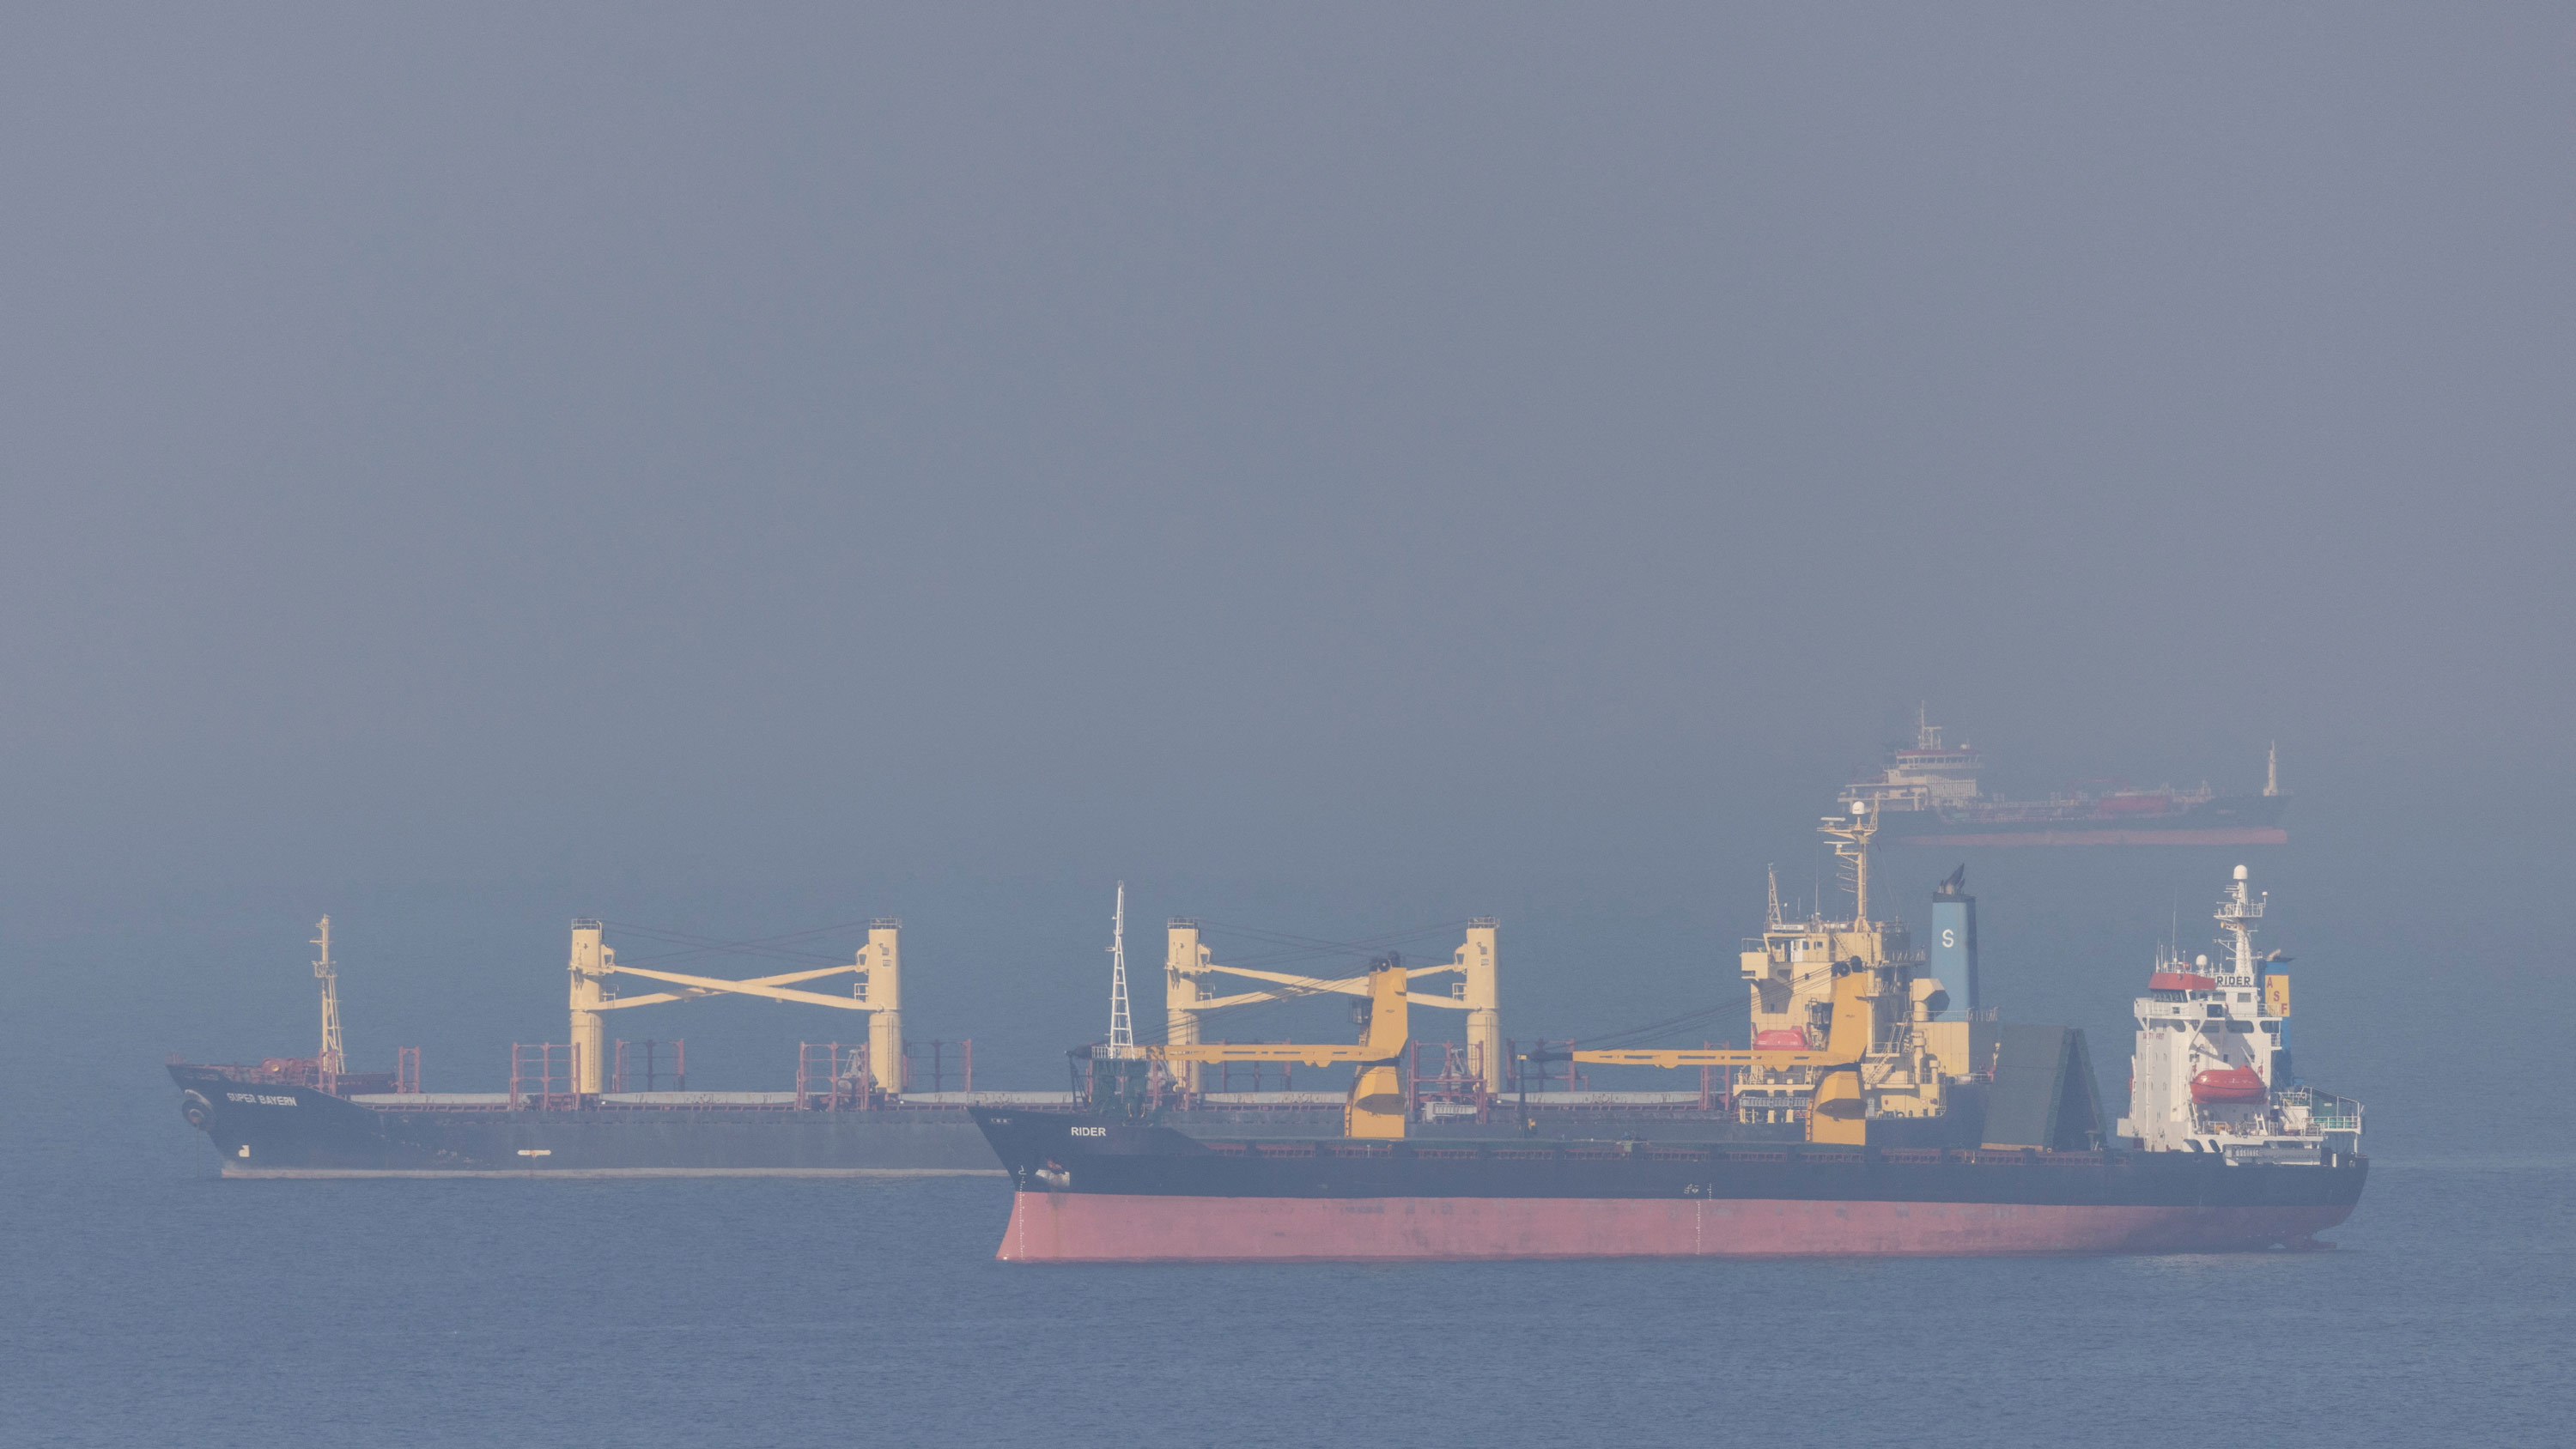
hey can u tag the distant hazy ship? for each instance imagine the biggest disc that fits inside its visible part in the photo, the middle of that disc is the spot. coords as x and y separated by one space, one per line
1928 795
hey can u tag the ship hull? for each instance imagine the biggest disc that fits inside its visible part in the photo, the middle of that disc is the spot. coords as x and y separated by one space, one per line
2228 820
1065 1227
270 1130
273 1130
1092 1192
2024 835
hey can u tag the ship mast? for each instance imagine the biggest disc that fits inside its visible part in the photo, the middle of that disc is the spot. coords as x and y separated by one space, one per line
1122 1030
1851 843
332 1060
2272 769
2237 912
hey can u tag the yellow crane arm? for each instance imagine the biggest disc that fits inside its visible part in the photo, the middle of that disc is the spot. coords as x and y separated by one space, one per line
1701 1057
1249 998
1345 985
1388 1030
1308 1055
740 988
791 977
1316 985
1256 998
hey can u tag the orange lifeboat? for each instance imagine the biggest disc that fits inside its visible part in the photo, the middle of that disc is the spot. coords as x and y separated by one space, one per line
1780 1041
2227 1084
2179 981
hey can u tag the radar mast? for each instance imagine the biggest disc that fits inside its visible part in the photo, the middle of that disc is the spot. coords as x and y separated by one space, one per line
332 1060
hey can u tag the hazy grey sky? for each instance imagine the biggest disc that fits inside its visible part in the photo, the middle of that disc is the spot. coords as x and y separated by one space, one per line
679 447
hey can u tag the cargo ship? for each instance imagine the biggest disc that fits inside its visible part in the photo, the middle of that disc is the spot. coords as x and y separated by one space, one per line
592 1105
1928 795
1919 1134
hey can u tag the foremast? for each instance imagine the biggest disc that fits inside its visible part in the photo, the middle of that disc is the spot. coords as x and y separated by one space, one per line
333 1059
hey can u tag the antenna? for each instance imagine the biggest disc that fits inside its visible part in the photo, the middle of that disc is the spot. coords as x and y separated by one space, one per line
2238 910
1773 871
332 1060
1122 1030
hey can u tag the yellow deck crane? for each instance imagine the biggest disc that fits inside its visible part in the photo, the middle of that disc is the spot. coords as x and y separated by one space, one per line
1477 992
1857 987
1837 1108
878 991
1376 1104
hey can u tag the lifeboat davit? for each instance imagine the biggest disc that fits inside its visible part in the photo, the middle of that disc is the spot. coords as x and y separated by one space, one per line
1780 1041
2227 1084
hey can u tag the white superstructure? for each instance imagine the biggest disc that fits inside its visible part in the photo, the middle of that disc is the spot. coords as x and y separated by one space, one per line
1927 777
2212 1068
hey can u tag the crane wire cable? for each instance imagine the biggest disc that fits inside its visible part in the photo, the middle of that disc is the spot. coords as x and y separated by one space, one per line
1614 1040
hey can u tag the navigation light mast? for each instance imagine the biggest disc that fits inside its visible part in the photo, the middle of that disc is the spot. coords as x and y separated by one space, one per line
1122 1029
332 1061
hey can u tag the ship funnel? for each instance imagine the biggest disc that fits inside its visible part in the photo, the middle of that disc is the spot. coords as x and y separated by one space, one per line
1954 939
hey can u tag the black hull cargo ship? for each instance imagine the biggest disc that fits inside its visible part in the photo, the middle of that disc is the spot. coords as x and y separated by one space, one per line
855 1108
1921 1136
261 1126
278 1129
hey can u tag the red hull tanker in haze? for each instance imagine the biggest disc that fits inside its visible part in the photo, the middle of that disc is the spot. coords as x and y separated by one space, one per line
1928 795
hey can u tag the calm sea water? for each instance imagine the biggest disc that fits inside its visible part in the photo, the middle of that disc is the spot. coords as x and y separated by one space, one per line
163 1306
144 1302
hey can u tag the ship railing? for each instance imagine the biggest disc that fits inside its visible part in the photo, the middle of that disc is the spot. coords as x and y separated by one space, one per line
2325 1111
833 1076
657 1059
947 1059
543 1076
